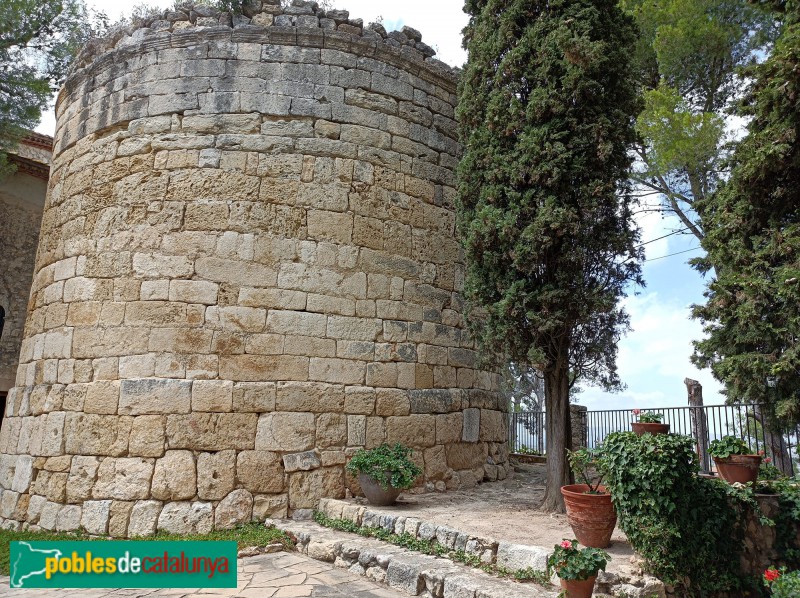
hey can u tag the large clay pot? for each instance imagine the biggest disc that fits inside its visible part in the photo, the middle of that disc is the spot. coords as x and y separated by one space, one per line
575 588
641 427
738 468
591 516
375 493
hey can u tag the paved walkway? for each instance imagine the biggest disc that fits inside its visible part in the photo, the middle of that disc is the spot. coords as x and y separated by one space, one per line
281 575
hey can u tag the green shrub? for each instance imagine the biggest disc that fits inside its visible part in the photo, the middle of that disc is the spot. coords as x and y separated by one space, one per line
688 529
387 465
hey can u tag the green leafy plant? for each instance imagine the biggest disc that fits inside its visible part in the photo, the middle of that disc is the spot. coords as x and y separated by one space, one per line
571 562
724 447
585 464
648 417
689 530
389 466
767 472
782 583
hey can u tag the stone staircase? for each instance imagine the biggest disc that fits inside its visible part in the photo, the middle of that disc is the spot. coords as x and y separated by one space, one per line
410 572
435 577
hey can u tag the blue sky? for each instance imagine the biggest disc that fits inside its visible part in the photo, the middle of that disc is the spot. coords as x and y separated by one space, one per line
654 357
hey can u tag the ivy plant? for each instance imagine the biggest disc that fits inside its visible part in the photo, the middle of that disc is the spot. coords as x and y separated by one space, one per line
387 465
688 529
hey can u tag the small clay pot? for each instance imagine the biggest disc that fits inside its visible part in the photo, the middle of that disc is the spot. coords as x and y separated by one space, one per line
738 468
641 427
375 493
578 588
592 516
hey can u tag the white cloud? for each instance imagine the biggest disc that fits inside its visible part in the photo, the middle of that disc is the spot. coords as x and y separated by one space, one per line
653 359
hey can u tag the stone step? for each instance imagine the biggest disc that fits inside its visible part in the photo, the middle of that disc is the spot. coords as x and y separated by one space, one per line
411 572
508 555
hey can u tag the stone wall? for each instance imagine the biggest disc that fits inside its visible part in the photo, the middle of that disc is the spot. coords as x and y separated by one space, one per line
247 270
22 197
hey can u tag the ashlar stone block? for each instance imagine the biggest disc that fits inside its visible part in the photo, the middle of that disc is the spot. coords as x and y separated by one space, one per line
174 477
215 474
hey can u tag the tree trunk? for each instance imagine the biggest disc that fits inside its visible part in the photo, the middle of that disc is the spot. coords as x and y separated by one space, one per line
699 422
559 437
776 445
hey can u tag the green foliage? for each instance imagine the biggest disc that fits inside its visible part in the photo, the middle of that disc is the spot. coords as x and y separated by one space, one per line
786 520
783 583
767 472
687 529
752 312
249 534
650 417
724 447
584 463
686 61
36 47
545 112
389 466
571 562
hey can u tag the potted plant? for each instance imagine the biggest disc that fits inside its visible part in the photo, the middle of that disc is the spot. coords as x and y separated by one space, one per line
734 460
589 509
384 472
576 568
782 583
649 421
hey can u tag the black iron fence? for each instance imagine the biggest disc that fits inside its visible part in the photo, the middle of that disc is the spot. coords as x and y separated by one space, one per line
703 424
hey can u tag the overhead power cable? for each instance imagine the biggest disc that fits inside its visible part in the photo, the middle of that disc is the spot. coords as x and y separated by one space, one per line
661 257
677 232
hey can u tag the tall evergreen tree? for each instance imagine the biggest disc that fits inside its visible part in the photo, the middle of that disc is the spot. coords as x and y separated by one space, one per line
546 111
752 312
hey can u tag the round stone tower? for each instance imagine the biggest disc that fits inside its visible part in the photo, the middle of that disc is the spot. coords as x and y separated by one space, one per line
247 270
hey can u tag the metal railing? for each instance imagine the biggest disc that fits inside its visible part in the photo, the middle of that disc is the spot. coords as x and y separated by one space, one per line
703 424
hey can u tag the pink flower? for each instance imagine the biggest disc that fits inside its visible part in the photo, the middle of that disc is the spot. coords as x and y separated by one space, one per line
636 411
768 460
566 544
761 452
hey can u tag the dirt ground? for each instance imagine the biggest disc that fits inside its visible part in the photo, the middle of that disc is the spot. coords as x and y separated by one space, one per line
506 510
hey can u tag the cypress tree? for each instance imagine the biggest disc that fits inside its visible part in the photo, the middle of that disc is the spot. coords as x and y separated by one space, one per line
546 108
752 311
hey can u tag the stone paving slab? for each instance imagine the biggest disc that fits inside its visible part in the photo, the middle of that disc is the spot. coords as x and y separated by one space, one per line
281 575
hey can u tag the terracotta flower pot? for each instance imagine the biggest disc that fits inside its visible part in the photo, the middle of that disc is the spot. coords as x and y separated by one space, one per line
575 588
375 493
591 516
641 427
738 468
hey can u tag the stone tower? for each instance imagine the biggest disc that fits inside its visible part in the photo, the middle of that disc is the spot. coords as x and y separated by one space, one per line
247 269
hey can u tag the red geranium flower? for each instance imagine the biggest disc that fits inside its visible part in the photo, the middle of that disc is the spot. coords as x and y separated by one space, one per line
566 544
768 460
636 411
771 574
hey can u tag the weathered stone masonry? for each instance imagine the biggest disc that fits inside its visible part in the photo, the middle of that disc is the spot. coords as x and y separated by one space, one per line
247 270
22 196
